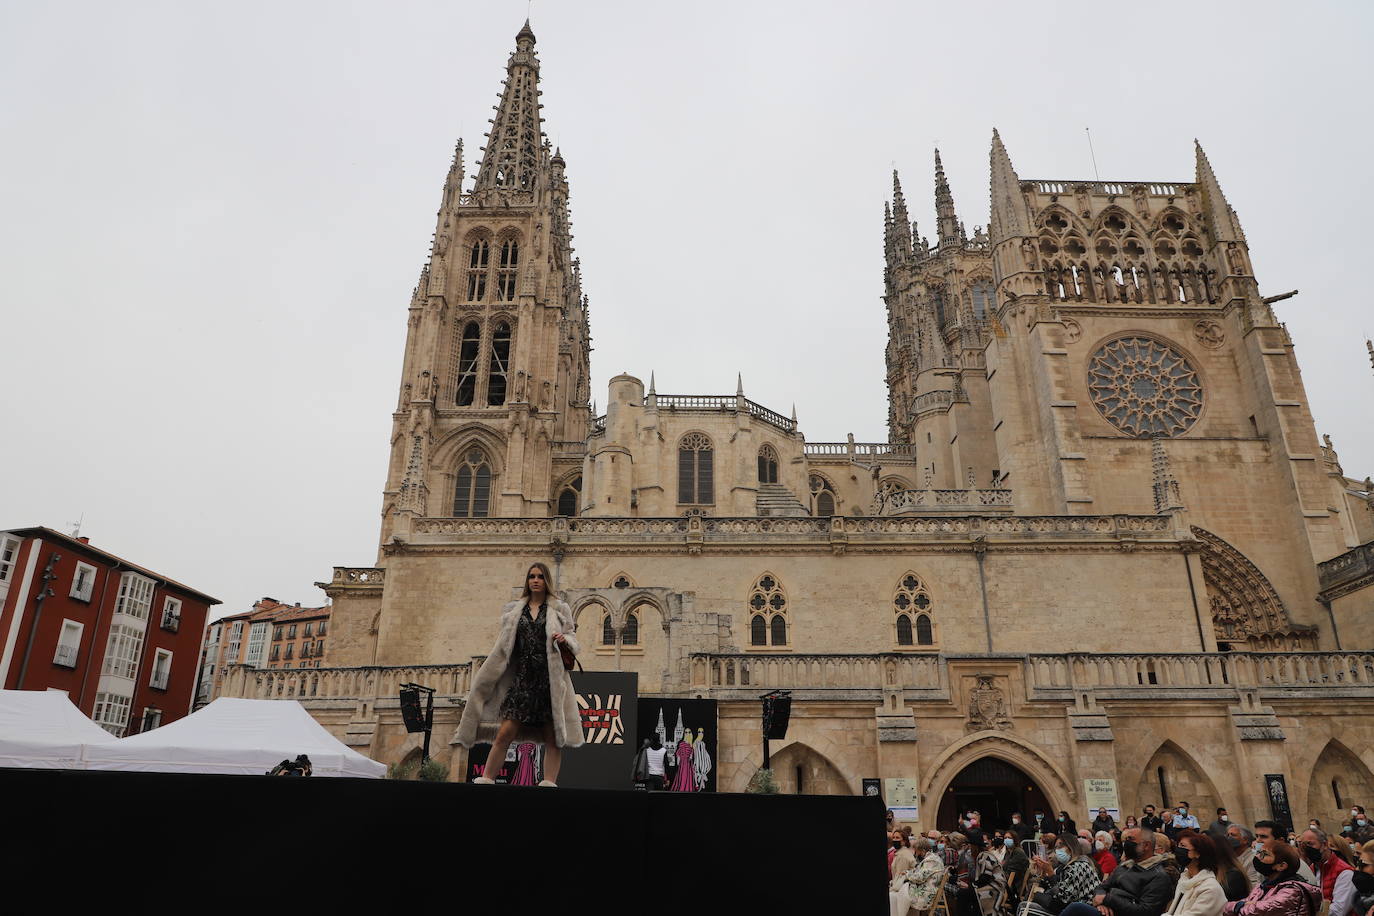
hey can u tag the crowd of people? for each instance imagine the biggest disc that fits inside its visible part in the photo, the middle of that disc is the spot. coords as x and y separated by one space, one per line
1151 865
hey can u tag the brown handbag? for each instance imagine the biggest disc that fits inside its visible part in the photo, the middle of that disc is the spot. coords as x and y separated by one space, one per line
568 658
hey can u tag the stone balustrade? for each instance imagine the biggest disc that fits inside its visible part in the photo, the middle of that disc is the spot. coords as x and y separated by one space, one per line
859 449
1112 188
1198 670
359 575
1350 570
818 671
367 683
906 501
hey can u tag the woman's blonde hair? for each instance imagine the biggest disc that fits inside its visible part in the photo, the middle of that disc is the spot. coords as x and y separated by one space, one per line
548 580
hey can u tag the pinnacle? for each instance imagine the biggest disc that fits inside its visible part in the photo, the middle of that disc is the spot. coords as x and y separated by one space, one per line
525 32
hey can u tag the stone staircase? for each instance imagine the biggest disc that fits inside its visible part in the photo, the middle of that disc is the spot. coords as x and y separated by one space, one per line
774 499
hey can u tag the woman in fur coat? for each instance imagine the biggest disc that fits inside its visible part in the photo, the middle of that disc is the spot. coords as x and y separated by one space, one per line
522 691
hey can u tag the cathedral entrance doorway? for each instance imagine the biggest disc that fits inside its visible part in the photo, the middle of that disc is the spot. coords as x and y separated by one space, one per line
995 789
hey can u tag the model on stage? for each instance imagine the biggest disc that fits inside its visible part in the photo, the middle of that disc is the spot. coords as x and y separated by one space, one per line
523 684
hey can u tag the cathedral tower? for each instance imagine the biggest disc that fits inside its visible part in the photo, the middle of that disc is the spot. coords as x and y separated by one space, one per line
496 368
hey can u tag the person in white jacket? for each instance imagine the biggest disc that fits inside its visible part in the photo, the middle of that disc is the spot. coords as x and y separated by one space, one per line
1198 892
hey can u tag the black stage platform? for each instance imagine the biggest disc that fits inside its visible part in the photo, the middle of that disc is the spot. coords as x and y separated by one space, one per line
276 845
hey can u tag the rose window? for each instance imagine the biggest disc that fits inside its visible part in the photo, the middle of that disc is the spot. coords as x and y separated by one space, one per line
1145 388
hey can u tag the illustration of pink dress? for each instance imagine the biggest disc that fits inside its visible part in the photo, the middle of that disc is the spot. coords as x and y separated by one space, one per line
684 780
524 766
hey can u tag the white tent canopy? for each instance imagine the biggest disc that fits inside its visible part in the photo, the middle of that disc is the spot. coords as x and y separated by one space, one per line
44 729
235 736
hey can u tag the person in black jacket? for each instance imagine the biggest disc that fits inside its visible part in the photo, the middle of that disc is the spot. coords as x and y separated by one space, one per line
1151 820
1103 823
1139 886
1065 826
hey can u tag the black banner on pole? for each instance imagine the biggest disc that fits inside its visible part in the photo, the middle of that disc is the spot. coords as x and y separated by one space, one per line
1277 790
673 720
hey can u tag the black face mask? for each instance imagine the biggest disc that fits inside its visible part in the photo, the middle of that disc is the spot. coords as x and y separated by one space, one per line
1264 868
1182 856
896 844
1131 849
1363 880
1312 854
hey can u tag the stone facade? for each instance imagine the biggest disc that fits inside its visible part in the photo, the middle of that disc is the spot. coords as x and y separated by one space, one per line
1090 548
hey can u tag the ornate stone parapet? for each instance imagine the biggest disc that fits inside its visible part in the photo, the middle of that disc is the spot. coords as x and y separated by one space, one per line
1346 573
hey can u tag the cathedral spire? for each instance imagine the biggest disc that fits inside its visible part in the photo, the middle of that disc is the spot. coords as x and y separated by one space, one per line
513 151
1220 217
1008 213
1166 492
901 221
950 235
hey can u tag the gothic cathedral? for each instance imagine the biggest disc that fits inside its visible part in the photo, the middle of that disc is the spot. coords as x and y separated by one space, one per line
1102 541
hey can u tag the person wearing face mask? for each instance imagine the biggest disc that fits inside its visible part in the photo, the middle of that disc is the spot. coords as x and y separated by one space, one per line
1182 820
1218 827
1267 833
1020 830
1067 880
1064 825
1015 864
922 882
1150 820
1333 873
985 878
1102 853
1363 879
1140 885
900 858
1243 845
1198 892
1235 880
1361 830
1281 892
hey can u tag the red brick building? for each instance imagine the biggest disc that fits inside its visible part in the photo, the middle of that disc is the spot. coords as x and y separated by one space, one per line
272 635
120 640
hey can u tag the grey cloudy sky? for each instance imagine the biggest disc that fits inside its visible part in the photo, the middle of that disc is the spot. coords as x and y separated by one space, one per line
212 215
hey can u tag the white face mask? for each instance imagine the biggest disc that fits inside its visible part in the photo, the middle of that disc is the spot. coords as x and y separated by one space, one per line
1183 811
1099 845
1223 818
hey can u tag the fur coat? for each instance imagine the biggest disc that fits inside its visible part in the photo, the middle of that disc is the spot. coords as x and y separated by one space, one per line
482 714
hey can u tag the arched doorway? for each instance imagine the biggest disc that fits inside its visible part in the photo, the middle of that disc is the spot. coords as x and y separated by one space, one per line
994 788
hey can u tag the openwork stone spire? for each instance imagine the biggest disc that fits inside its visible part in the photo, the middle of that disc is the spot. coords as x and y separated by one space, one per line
1009 216
901 220
951 234
513 149
1167 495
1224 224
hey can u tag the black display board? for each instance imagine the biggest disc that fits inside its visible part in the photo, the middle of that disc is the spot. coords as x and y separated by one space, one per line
671 720
1277 790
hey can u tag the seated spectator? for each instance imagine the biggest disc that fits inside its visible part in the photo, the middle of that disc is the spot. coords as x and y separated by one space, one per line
1342 847
985 877
1152 821
921 884
1165 847
1267 833
1020 829
900 857
1232 875
1363 879
1242 842
1015 864
1181 820
1198 892
1280 892
1218 827
1103 821
1066 882
1102 853
1139 886
1333 873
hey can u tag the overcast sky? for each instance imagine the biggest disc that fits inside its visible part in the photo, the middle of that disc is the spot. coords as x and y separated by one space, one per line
212 216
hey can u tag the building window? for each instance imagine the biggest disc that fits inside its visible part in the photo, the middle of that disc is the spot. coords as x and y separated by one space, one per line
911 609
162 670
135 596
9 552
767 612
68 644
257 644
124 651
479 261
319 650
309 629
111 713
472 494
290 651
276 653
607 630
152 718
505 274
630 635
321 630
305 649
83 582
569 496
822 496
768 464
500 362
291 632
982 298
276 633
694 471
231 654
171 614
467 364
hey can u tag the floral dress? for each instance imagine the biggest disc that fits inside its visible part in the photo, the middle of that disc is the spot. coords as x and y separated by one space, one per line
925 881
528 701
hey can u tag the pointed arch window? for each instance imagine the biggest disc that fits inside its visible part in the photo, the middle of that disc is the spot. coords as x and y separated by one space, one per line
472 490
509 266
630 635
912 613
569 496
479 261
607 630
982 299
695 470
768 464
467 364
767 613
500 362
822 496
